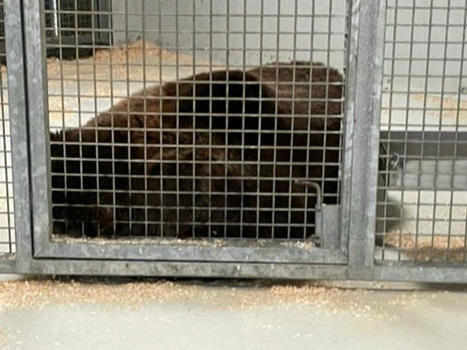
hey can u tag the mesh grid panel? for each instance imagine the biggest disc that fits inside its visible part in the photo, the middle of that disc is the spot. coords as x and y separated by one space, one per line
203 120
72 23
424 125
7 233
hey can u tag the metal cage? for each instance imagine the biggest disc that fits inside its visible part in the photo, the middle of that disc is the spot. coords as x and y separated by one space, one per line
234 138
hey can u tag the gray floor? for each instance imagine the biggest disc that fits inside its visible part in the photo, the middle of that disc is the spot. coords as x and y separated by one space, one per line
248 315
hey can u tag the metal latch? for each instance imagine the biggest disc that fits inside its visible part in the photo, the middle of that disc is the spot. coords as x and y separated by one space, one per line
327 227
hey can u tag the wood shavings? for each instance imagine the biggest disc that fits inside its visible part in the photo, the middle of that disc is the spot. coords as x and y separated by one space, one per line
136 62
436 249
299 244
198 242
81 89
39 293
246 295
326 299
144 240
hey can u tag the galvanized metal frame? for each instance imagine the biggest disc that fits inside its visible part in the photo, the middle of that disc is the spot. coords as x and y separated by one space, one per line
30 133
19 130
365 134
45 248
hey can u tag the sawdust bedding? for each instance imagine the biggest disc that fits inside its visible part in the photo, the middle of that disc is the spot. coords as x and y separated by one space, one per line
241 295
428 249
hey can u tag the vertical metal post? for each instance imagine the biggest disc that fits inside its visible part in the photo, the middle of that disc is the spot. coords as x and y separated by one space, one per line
55 17
352 29
19 132
365 134
36 67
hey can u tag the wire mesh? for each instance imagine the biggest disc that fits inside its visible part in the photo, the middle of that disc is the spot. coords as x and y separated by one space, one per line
209 113
7 230
424 127
214 154
68 22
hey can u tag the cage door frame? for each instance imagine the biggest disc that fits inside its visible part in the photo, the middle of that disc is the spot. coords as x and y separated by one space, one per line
43 247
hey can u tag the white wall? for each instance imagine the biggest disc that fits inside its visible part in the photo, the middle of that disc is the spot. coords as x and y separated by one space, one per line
243 39
433 41
232 32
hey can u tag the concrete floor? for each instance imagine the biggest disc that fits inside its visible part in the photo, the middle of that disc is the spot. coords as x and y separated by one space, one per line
236 315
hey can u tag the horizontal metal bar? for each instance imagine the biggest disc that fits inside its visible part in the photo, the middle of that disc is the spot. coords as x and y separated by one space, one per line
7 265
404 273
426 143
149 250
198 15
187 269
434 160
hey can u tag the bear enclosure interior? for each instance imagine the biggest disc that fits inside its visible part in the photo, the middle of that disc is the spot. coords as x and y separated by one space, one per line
227 131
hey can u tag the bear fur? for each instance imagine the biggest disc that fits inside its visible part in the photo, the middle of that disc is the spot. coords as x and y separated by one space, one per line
213 155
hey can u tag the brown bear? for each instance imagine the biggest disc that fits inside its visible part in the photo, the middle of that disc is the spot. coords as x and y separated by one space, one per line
217 154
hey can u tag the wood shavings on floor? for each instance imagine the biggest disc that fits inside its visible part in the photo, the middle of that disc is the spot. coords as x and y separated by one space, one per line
424 248
39 293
